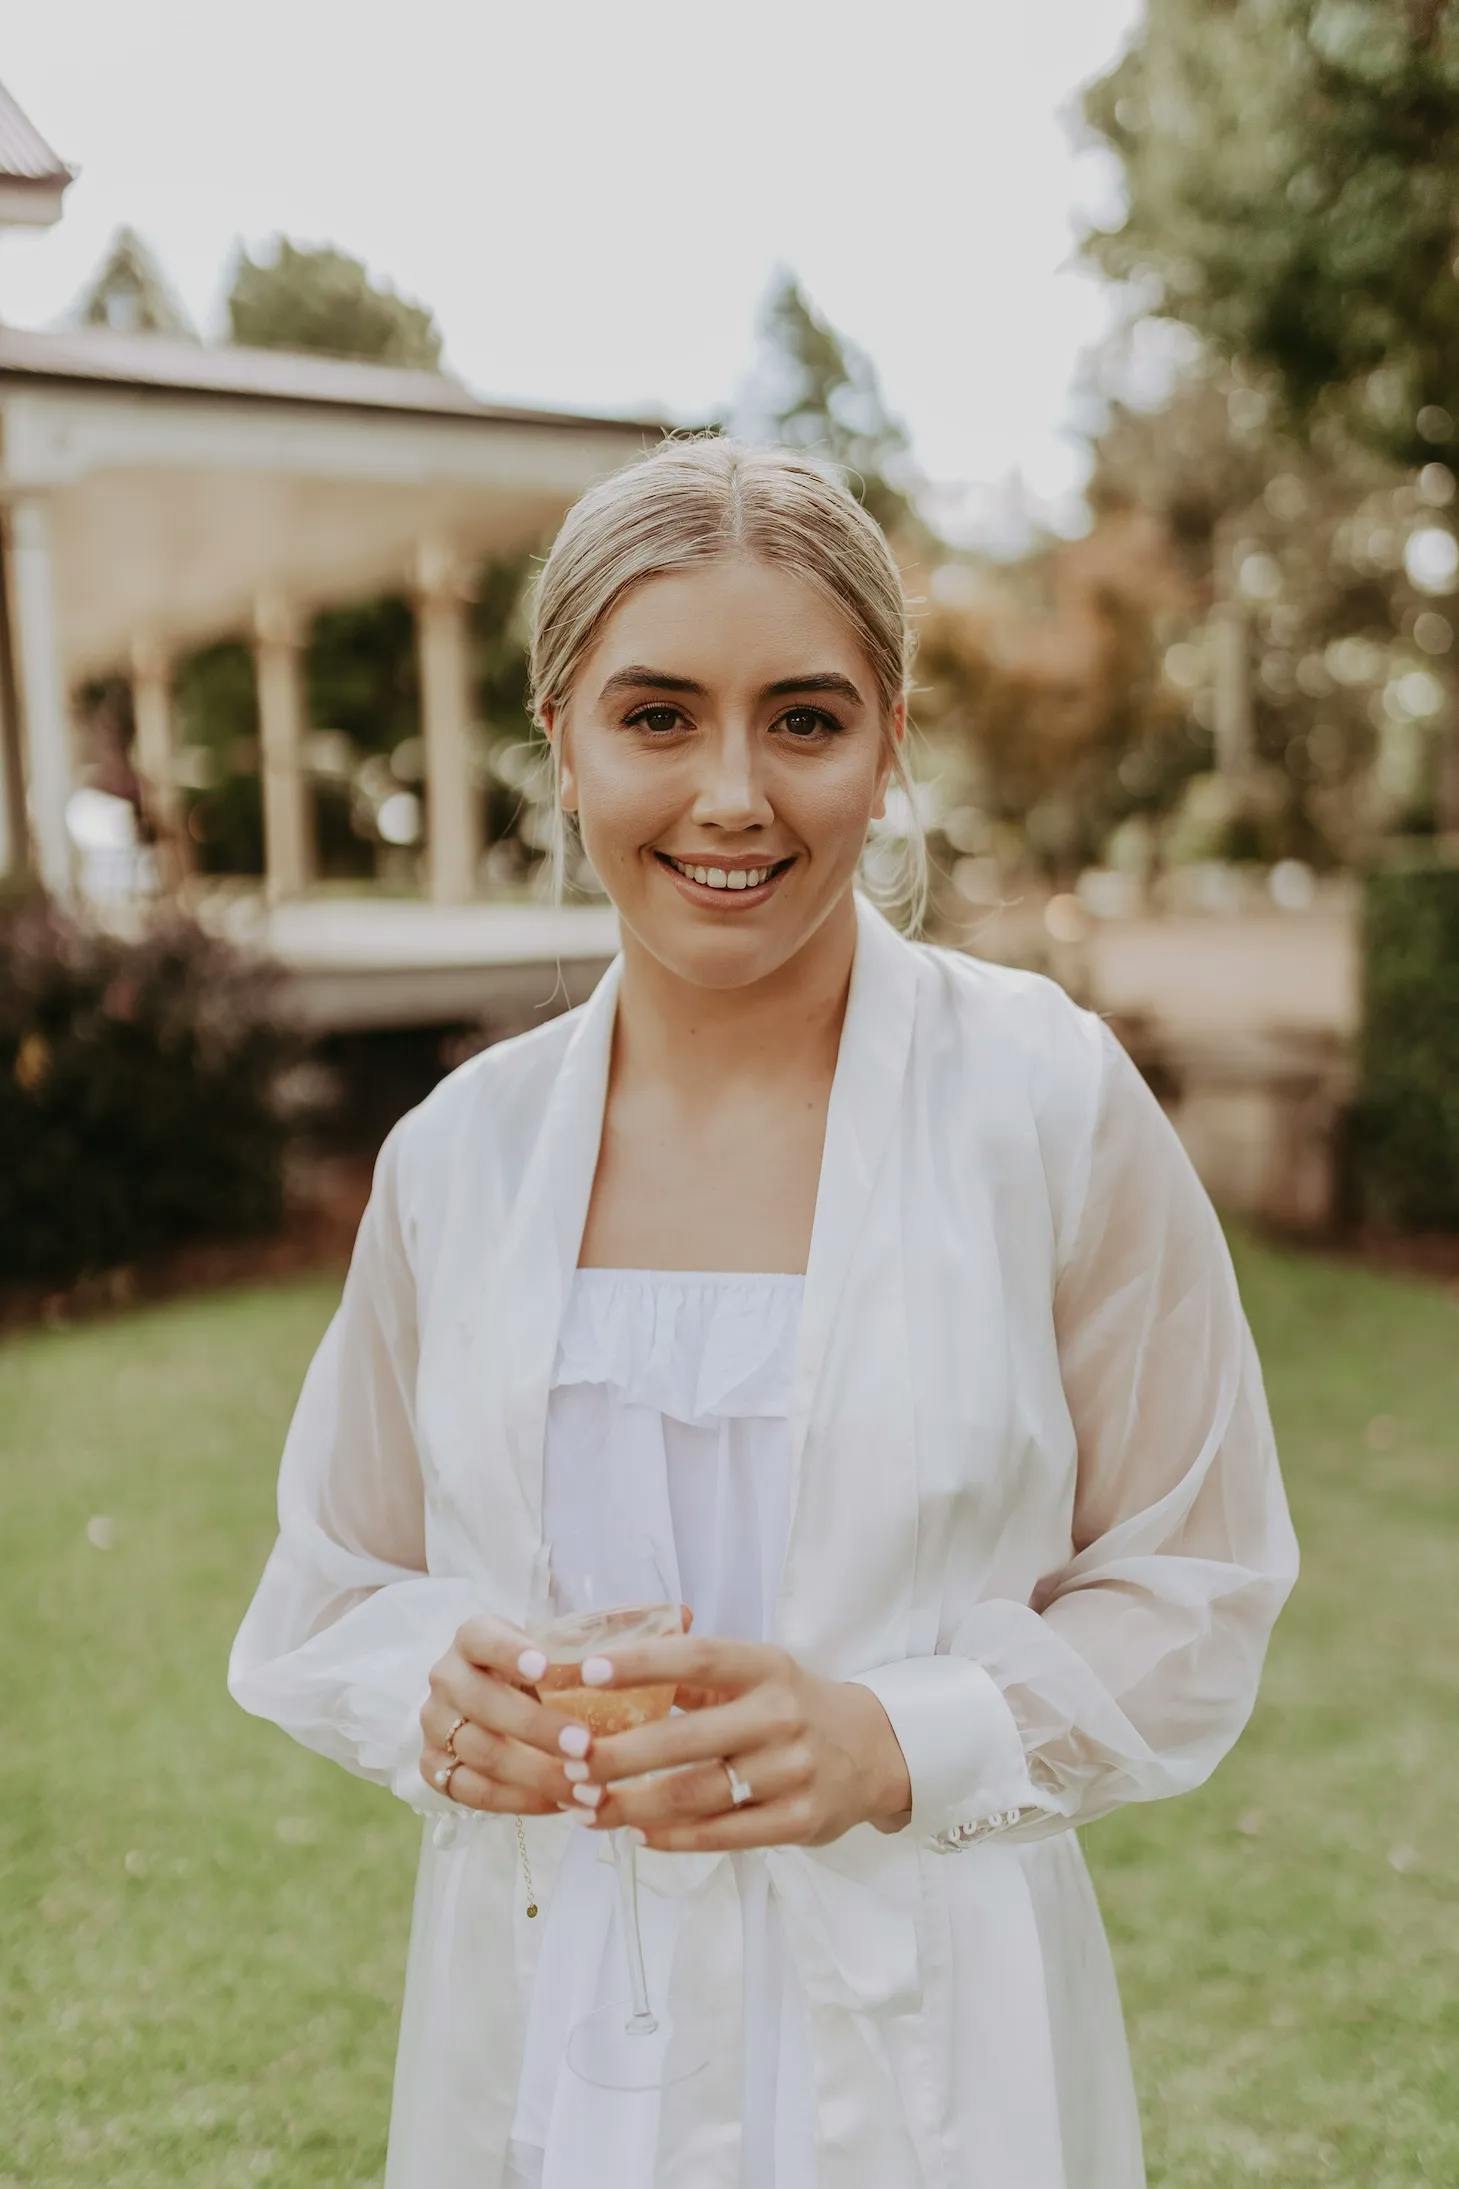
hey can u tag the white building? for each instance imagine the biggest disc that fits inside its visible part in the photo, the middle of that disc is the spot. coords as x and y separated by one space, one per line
158 494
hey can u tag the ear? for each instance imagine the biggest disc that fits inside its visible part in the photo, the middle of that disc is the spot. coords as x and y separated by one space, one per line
554 727
884 767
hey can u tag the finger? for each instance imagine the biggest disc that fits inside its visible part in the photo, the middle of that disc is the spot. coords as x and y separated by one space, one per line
494 1645
719 1729
697 1698
696 1793
783 1823
703 1660
496 1755
490 1701
471 1790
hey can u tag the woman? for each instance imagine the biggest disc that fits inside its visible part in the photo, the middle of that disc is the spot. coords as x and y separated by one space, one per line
869 1281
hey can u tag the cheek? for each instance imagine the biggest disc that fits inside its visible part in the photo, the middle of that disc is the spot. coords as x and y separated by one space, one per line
830 802
622 807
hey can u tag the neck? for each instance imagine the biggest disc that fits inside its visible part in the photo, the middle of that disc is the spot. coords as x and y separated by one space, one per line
708 1047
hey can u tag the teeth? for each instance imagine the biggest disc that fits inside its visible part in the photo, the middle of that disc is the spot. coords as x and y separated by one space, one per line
716 877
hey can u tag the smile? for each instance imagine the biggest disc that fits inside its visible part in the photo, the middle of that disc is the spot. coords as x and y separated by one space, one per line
726 886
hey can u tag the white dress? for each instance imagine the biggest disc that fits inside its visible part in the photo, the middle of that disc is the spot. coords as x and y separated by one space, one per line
667 1413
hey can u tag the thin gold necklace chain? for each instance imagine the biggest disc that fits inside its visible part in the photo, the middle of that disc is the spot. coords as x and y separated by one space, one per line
526 1867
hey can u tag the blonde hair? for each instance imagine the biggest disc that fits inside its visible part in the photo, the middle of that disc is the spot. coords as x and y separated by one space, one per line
692 498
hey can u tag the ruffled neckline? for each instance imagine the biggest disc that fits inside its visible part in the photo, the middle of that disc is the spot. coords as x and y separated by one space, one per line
698 1345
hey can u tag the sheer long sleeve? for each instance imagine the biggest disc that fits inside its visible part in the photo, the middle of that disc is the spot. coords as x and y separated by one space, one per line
1134 1668
338 1642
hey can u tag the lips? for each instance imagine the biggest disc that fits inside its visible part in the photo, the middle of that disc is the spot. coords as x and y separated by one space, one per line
711 859
725 899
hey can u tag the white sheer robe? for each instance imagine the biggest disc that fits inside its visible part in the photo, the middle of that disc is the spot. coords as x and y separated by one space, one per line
1034 1411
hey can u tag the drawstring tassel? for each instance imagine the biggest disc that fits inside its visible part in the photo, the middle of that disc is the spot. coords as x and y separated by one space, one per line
526 1867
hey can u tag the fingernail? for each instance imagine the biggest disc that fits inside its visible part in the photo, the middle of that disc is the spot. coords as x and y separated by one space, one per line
589 1796
597 1671
574 1770
638 1838
580 1816
531 1664
573 1740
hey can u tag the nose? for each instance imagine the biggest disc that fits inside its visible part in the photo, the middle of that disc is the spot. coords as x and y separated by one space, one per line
729 791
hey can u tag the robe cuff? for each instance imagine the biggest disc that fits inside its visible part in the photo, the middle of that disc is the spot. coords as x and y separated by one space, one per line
963 1750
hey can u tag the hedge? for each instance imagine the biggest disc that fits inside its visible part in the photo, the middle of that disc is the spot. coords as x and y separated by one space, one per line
137 1093
1405 1137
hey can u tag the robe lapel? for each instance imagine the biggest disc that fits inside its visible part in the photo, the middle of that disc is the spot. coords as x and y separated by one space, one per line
845 1592
854 1230
852 1471
535 1260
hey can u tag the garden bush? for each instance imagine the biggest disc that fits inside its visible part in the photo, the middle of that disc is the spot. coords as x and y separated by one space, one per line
138 1086
1405 1124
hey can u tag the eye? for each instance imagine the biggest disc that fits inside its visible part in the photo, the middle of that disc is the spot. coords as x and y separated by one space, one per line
820 724
632 721
824 724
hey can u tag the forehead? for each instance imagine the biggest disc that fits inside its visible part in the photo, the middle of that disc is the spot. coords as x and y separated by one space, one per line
728 622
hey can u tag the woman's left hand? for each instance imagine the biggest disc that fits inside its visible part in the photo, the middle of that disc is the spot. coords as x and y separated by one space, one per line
819 1755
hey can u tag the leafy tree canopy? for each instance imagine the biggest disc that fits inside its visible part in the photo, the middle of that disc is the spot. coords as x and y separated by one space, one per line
130 293
1289 168
319 298
813 389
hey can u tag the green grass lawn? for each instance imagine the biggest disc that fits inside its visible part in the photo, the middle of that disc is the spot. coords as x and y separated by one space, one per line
204 1926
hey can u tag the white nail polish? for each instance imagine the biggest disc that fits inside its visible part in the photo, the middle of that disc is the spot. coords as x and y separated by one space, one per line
596 1671
573 1740
589 1796
576 1771
531 1664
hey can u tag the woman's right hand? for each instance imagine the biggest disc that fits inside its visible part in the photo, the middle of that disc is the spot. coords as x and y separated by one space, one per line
510 1757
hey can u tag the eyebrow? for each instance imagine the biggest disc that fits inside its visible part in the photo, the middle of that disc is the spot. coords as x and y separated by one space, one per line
636 678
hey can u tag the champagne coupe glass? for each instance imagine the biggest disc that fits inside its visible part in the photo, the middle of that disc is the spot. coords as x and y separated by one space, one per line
601 1597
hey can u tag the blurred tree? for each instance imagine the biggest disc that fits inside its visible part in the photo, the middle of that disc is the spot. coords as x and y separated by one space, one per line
130 293
361 671
1289 167
1312 530
217 726
321 299
1289 174
1047 674
813 389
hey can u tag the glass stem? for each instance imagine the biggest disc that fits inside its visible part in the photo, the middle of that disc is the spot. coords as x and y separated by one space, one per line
643 2022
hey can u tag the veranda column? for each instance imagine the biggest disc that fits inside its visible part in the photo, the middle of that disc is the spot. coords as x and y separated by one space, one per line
1232 725
41 690
277 648
12 812
453 800
154 754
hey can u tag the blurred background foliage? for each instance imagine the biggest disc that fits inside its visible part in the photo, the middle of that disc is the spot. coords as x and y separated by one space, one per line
1286 174
1406 1122
1246 660
140 1105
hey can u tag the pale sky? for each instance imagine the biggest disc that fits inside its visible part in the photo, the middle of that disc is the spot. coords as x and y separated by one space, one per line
592 195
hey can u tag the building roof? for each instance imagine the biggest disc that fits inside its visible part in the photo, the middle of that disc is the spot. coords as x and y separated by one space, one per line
24 154
104 357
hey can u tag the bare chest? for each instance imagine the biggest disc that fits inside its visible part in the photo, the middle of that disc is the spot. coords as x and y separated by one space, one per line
738 1196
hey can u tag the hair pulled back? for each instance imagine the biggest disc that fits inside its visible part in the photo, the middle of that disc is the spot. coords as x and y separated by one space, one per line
697 496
